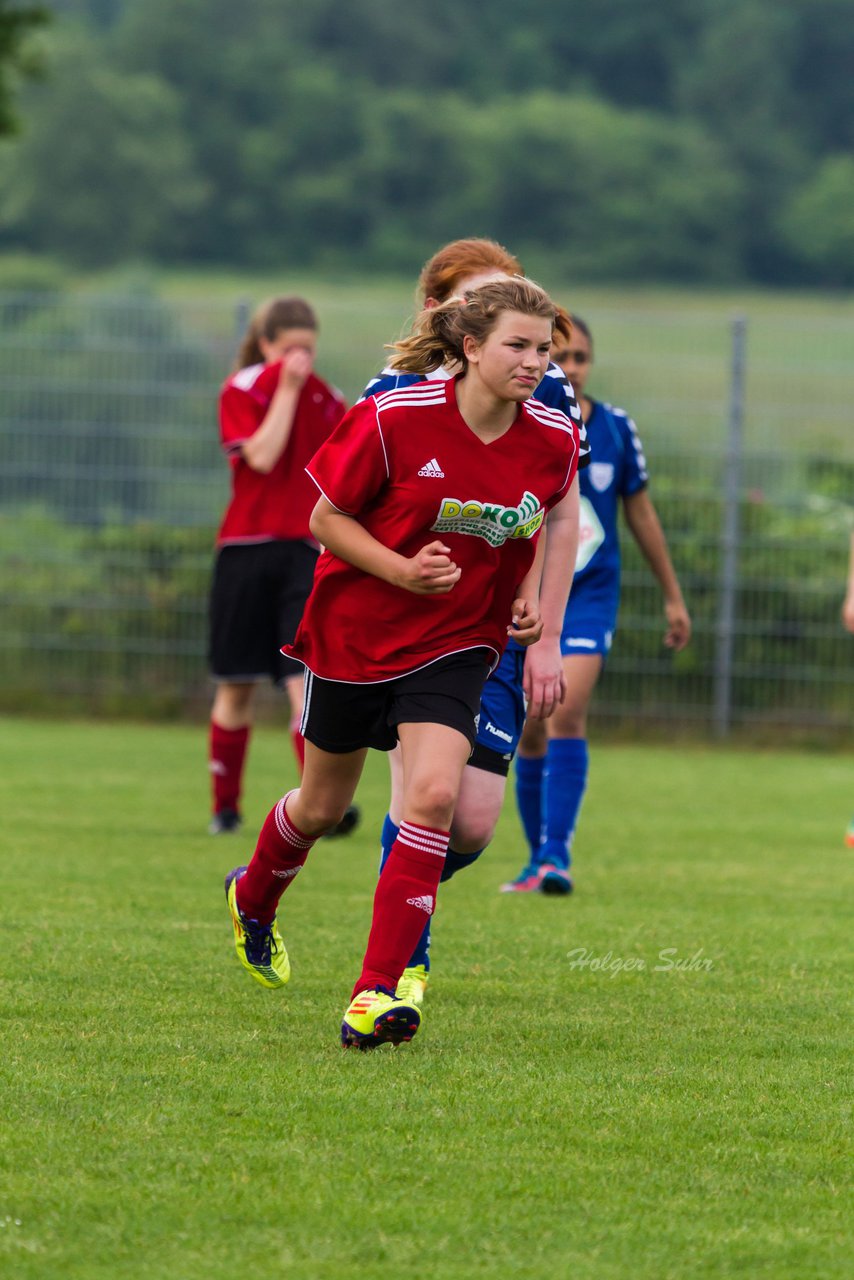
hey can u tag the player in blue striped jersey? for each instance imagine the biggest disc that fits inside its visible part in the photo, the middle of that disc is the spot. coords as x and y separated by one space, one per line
551 768
460 266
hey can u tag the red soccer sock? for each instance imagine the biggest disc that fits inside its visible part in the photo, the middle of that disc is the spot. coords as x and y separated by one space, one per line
298 742
280 852
226 756
405 898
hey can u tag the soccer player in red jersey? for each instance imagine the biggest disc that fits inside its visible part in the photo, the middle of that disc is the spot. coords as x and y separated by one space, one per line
274 414
433 497
511 690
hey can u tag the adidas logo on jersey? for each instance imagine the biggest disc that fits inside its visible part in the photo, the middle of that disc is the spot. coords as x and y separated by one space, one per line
433 470
425 903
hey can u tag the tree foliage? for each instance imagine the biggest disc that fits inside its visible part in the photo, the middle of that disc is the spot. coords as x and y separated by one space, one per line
16 23
679 140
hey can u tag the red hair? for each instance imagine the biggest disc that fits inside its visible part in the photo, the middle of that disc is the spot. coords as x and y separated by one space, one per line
563 324
443 272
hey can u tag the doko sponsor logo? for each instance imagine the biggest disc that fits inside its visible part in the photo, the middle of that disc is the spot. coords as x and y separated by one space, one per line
490 520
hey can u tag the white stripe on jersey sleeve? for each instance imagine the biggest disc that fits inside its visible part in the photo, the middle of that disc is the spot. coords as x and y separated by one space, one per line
555 371
411 397
382 437
246 378
640 457
573 411
553 418
548 416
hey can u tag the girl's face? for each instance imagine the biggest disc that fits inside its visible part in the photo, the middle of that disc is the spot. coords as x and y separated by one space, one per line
512 359
287 340
574 357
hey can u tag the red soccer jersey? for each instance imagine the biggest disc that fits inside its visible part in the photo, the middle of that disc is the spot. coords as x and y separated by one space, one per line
407 465
275 506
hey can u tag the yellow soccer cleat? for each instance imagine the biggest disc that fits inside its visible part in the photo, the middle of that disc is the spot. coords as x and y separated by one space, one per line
377 1017
413 984
259 947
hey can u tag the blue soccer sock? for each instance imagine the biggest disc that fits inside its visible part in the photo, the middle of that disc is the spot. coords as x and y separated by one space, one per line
387 838
530 772
421 954
454 862
566 779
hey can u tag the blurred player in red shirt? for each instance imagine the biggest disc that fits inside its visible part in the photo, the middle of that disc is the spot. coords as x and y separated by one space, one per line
274 414
433 497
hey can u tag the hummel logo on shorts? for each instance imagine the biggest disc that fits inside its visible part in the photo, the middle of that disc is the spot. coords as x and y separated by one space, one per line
433 469
425 903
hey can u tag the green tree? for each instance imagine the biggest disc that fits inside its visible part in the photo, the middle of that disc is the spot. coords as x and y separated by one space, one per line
599 192
820 81
818 225
105 170
304 131
16 24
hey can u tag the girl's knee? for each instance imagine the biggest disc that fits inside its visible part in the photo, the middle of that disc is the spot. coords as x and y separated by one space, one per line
533 739
472 832
313 815
433 803
569 722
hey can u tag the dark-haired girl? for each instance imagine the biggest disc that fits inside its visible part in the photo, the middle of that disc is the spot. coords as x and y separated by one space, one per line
274 413
551 767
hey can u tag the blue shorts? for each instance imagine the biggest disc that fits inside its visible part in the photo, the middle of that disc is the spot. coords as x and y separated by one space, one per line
502 710
586 634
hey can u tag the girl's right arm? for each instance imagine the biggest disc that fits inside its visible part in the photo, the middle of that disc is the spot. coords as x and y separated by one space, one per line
266 445
430 572
642 519
848 605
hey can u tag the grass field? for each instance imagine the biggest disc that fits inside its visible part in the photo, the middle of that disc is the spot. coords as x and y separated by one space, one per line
575 1105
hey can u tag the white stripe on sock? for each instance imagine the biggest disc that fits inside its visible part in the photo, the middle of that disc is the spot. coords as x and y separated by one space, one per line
423 839
289 833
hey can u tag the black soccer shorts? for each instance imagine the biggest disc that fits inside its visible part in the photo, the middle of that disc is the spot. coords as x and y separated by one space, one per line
257 599
339 717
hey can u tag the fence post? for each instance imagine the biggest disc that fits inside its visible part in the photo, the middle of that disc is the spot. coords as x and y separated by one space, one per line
241 318
729 540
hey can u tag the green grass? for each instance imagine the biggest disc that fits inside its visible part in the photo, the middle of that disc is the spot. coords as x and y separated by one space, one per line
163 1117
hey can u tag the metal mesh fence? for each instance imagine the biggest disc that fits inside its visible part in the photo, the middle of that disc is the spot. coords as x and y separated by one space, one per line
112 484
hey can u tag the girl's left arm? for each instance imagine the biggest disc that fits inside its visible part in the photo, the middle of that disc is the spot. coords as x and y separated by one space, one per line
526 625
848 604
642 519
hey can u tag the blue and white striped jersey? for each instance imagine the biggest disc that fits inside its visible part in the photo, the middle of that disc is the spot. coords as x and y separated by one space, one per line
617 470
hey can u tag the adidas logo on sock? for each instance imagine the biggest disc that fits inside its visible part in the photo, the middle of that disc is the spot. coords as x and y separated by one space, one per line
432 469
425 903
